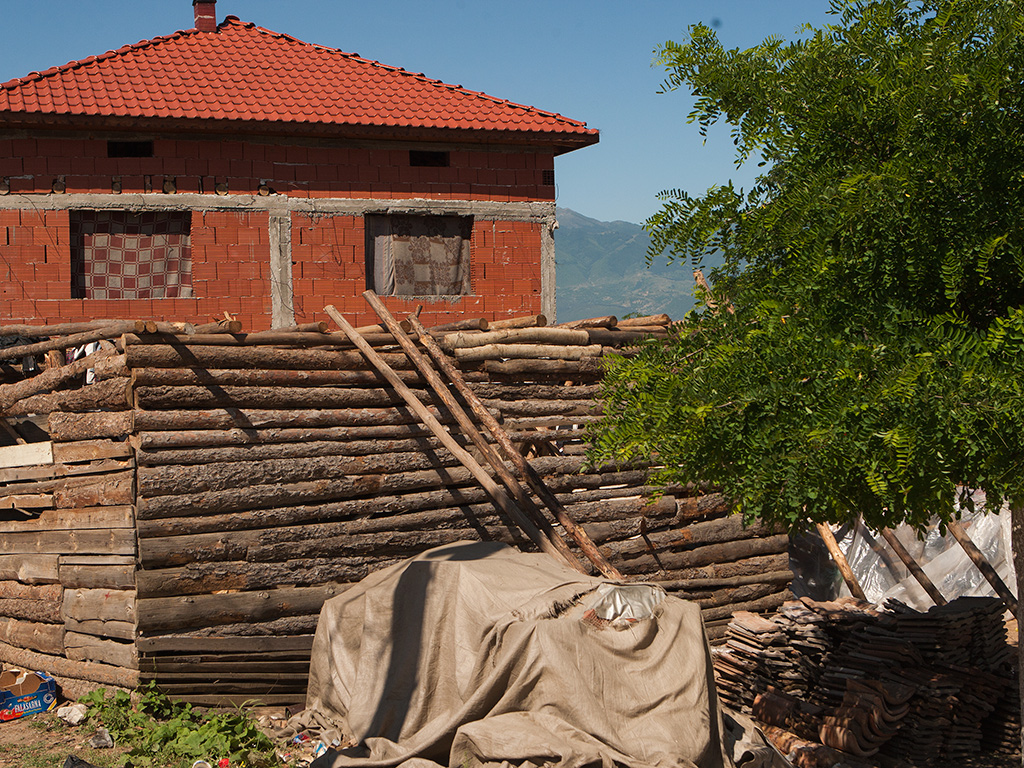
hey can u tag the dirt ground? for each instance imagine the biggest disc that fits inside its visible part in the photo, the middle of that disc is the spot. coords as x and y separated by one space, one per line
43 741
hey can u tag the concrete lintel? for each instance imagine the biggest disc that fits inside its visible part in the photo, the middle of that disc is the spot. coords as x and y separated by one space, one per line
281 204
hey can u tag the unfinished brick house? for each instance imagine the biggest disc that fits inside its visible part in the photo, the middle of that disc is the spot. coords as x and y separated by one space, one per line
231 168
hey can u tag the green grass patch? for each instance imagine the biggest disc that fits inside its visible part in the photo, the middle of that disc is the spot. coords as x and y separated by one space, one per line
159 732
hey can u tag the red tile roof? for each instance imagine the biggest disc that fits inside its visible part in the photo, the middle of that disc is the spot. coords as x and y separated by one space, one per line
243 72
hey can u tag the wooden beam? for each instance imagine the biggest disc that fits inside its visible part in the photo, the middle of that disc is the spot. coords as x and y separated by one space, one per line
915 570
983 565
841 562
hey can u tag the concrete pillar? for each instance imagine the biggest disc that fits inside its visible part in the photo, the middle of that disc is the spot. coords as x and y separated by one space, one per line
282 306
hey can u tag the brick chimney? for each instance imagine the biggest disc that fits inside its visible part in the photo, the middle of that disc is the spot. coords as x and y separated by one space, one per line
206 15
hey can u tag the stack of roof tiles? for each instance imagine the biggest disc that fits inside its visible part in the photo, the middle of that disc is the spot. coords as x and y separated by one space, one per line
860 681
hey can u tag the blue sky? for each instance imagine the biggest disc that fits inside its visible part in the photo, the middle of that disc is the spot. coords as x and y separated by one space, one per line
587 59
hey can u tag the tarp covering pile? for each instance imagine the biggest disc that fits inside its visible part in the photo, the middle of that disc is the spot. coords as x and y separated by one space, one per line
477 654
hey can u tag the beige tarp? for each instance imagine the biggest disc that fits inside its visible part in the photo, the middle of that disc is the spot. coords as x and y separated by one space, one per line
477 654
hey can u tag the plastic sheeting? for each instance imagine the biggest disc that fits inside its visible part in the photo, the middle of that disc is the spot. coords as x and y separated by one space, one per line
882 576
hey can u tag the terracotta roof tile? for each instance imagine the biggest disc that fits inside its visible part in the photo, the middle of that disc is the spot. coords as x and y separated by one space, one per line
245 72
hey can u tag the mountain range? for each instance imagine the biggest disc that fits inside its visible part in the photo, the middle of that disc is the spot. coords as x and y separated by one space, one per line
601 269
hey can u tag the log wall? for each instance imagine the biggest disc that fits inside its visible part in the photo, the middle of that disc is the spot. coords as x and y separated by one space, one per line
68 562
255 481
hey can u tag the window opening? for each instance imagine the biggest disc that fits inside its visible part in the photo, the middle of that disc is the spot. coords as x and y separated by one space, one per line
413 255
129 255
423 158
129 149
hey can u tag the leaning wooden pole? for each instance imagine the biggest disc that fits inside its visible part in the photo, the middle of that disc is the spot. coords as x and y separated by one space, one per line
494 491
437 384
840 560
915 570
968 545
528 473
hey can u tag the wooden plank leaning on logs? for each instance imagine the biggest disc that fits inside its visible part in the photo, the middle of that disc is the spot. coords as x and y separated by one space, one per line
497 494
522 466
469 429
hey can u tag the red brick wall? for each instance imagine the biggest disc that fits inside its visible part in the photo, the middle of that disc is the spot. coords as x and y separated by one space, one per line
32 166
230 251
328 267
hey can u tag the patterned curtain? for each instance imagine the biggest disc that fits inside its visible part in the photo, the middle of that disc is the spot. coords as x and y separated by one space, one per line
126 255
420 255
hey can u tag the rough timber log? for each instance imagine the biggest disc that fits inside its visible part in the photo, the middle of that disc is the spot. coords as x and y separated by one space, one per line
525 336
585 368
199 438
263 338
82 647
532 408
109 395
68 329
39 611
725 529
158 398
162 614
97 572
515 424
729 596
294 544
20 478
527 391
470 324
89 451
669 560
244 377
30 569
70 427
18 591
623 336
119 541
207 578
192 356
495 352
526 321
261 451
167 480
104 674
310 491
115 489
252 418
71 519
661 319
607 321
66 342
768 603
756 572
45 638
48 380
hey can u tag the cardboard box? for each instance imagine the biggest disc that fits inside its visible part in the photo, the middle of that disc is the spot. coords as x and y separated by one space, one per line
25 693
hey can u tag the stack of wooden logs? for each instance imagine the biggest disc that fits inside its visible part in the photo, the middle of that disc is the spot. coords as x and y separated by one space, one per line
267 471
861 681
67 565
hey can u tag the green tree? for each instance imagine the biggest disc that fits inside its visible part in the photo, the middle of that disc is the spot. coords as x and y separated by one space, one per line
875 361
